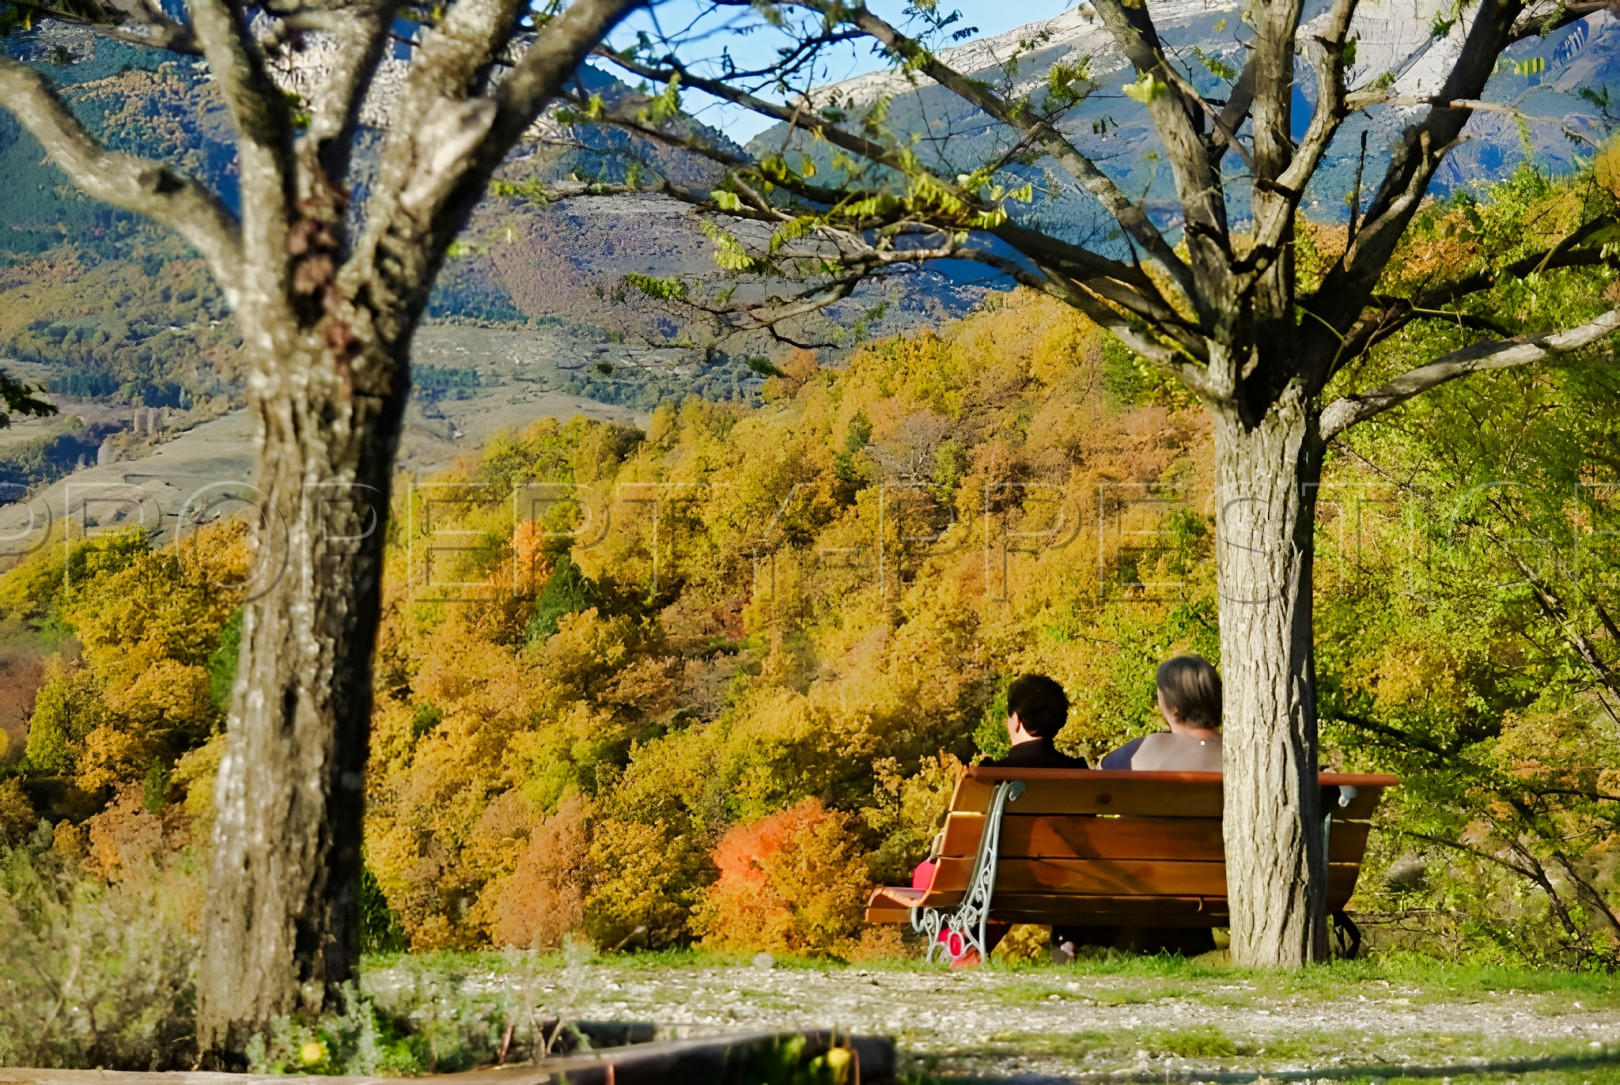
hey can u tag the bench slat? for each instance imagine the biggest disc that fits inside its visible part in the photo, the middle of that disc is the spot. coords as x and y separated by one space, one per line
1101 910
1148 794
888 905
962 830
1109 877
1146 797
1139 909
1081 836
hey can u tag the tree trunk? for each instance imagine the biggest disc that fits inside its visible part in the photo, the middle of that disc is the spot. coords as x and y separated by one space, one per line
1266 477
281 931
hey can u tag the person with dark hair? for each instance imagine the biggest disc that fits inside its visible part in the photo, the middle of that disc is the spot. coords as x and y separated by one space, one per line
1190 702
1037 709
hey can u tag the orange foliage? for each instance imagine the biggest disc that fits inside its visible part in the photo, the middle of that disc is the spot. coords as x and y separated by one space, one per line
544 897
530 568
795 882
125 839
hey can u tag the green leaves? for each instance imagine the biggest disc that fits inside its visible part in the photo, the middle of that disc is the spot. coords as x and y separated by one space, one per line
666 105
594 108
1147 89
879 206
1068 83
1215 65
669 289
729 253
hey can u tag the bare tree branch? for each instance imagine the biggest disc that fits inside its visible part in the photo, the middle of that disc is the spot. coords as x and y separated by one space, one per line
1355 274
1574 250
1177 113
135 184
1119 283
1343 413
1325 51
360 34
264 133
1541 19
1232 116
446 142
1043 134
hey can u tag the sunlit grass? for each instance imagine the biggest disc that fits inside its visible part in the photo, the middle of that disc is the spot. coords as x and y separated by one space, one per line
1389 976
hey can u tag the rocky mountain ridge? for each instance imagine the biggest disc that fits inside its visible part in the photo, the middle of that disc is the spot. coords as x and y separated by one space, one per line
1534 107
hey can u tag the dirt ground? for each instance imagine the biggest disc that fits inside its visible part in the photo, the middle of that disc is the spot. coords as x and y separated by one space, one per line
1051 1023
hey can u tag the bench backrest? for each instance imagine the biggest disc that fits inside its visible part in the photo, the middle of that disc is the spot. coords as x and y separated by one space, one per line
1143 847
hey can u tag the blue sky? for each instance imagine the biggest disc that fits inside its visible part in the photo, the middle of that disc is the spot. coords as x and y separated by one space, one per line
758 49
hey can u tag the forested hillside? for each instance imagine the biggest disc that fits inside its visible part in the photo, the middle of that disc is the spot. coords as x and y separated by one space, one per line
712 680
119 310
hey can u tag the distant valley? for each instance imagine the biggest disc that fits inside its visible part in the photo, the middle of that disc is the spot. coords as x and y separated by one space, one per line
123 325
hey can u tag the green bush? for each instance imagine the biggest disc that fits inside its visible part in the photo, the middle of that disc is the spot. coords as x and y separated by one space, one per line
92 973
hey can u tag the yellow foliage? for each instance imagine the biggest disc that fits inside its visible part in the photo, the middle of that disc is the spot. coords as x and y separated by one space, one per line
1606 168
112 755
17 818
645 879
751 619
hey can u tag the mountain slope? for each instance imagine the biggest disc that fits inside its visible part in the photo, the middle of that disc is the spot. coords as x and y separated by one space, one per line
1538 110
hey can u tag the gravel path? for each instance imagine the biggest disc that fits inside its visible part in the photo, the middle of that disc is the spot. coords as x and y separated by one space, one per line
1060 1023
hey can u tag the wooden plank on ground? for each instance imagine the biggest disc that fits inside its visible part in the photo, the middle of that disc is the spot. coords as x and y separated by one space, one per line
724 1060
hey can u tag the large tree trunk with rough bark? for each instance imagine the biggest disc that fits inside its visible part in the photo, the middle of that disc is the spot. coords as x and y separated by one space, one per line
1266 476
286 844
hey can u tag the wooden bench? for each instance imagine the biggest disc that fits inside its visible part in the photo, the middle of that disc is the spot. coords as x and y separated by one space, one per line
1100 848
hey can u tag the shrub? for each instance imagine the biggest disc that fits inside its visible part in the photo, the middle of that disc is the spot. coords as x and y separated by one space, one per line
96 973
646 879
358 1040
793 882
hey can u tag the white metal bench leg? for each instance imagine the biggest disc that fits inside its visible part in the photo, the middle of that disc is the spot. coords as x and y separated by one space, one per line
963 927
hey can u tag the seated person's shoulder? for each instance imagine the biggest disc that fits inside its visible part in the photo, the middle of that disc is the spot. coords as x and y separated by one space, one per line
1036 755
1121 758
1165 752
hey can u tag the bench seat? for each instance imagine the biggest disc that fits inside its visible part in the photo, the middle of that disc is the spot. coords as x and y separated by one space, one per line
1103 848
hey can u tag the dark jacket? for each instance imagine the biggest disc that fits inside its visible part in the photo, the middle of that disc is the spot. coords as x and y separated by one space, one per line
1040 754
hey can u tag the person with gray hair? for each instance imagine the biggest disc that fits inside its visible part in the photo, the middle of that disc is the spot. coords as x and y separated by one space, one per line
1190 702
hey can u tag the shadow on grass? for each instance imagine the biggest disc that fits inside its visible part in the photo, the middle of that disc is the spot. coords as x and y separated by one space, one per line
1598 1068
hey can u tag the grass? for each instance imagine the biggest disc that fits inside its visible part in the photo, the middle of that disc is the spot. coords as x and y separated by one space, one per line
1278 1025
1586 1075
1207 1053
1118 979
